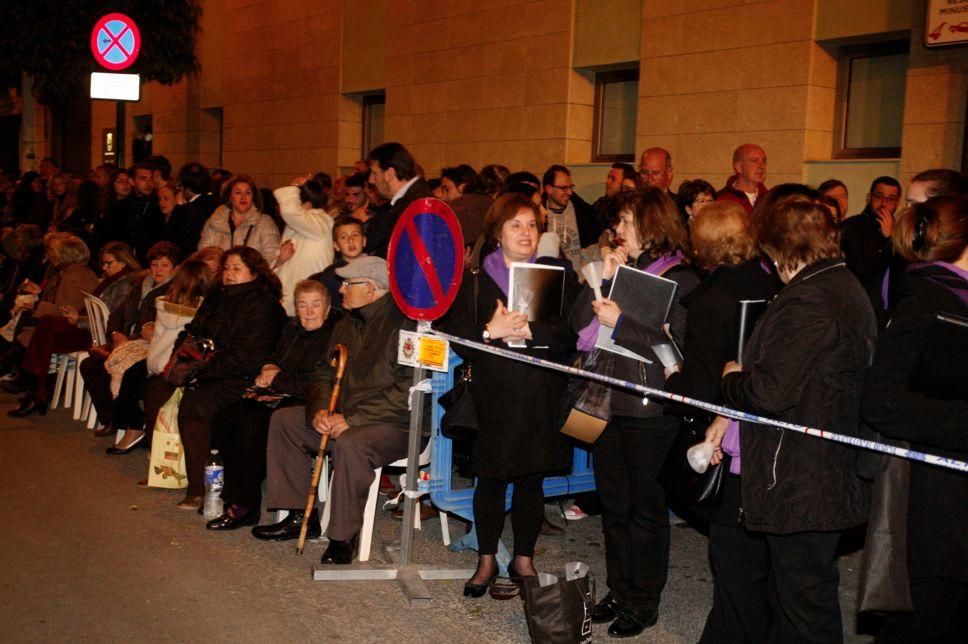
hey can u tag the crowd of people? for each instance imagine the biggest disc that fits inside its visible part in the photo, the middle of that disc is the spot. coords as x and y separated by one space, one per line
276 280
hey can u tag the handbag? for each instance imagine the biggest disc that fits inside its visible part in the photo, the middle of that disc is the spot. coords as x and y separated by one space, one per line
166 469
685 484
588 402
188 360
558 608
459 421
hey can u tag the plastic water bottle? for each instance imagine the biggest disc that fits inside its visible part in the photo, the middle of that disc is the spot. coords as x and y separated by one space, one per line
214 481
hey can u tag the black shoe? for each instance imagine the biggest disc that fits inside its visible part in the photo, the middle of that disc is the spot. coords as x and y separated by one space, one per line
631 621
114 449
29 405
606 610
289 528
339 552
228 522
477 590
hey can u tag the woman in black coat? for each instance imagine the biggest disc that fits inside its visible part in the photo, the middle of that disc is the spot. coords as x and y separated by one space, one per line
804 364
518 405
928 407
635 442
241 430
244 318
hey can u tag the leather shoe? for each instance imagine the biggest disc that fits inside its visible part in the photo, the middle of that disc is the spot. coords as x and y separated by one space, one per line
29 405
107 430
427 512
339 552
229 522
289 527
606 610
117 449
632 621
191 503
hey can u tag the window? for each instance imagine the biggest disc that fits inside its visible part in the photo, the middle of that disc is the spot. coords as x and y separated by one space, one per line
870 101
616 105
374 106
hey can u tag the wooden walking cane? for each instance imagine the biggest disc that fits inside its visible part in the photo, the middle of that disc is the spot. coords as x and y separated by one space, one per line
338 360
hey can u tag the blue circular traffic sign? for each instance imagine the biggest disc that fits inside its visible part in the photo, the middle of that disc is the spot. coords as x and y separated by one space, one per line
426 259
115 41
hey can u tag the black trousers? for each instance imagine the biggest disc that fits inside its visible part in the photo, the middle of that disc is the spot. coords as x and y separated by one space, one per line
127 412
97 381
527 512
773 588
940 614
240 432
635 517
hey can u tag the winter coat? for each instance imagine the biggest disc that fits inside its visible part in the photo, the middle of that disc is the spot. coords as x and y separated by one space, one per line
311 232
170 321
244 320
184 227
375 387
639 338
114 291
138 308
936 520
256 231
805 364
66 287
730 193
712 325
297 353
519 406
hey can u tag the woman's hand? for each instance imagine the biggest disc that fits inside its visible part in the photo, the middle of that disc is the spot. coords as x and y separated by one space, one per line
607 312
732 367
267 375
286 250
714 436
29 287
612 258
70 313
148 331
118 338
508 326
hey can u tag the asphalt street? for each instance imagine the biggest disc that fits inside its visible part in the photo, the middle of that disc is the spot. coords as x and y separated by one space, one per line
87 555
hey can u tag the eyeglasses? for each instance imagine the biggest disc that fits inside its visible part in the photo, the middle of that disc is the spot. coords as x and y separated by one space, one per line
888 198
348 283
570 188
106 264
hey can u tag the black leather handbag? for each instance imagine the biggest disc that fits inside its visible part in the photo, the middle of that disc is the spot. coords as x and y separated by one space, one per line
459 421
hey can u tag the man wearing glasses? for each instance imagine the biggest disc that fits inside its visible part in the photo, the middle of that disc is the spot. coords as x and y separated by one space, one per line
569 216
866 237
369 429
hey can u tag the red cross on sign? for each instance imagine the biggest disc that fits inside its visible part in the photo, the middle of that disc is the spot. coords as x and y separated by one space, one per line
115 41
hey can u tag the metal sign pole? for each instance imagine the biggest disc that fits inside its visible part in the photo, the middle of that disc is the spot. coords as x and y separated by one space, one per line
119 135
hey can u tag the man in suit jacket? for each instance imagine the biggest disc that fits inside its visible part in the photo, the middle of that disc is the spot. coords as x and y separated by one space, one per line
393 172
184 227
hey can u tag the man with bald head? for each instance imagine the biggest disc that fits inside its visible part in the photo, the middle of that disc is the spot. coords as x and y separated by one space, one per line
655 169
746 185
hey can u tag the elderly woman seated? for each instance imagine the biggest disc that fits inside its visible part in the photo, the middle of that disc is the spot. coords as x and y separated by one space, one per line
242 430
54 321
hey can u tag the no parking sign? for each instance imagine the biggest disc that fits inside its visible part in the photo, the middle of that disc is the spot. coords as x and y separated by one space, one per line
115 41
426 259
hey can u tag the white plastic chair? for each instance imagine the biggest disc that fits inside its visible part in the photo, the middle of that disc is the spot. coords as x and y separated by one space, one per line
66 364
97 318
369 512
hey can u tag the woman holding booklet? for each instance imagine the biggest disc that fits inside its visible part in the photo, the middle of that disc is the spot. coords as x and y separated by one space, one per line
915 392
634 444
517 404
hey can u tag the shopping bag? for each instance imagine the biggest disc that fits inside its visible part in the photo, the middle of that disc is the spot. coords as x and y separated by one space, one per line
558 608
166 469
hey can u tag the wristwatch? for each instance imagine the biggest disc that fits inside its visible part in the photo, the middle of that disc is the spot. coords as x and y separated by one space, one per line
486 335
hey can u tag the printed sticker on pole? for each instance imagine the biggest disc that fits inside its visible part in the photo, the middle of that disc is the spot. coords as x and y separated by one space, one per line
422 350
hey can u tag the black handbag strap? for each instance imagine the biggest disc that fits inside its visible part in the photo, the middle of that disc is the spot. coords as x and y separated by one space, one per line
475 272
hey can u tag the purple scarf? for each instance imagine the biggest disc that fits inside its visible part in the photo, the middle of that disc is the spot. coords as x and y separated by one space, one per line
960 290
731 445
588 335
500 272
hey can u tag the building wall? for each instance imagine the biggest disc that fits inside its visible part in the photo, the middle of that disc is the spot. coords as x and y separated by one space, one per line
512 81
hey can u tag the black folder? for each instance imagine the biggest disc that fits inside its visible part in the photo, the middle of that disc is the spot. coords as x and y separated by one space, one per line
942 369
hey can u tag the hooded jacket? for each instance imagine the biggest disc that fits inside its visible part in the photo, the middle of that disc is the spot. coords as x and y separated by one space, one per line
256 231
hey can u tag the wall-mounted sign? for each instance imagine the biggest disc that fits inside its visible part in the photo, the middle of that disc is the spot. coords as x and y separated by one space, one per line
109 152
115 42
946 23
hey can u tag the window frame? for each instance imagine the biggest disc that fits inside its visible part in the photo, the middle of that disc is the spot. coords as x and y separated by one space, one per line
369 100
847 56
602 79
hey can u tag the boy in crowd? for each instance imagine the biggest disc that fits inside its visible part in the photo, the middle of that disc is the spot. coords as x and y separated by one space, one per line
349 240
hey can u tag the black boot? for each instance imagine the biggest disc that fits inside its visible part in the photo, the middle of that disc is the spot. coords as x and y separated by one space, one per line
339 552
289 527
29 404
